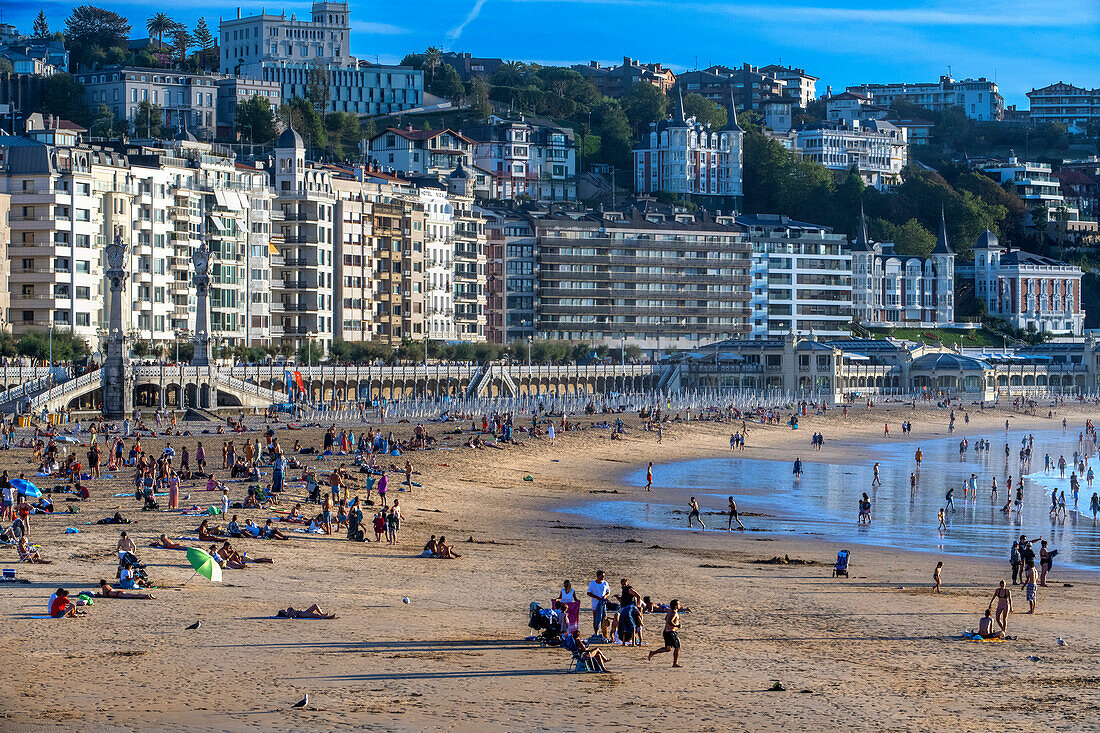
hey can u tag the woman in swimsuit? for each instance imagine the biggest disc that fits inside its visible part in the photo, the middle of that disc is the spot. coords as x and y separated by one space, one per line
166 544
313 611
106 591
1003 597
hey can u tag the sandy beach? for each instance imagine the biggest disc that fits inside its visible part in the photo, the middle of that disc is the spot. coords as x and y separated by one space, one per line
877 651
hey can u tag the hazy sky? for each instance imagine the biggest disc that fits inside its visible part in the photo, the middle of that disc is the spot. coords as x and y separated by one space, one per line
1020 43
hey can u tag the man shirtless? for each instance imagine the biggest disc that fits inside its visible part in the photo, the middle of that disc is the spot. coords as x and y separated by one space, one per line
694 513
671 634
106 591
733 516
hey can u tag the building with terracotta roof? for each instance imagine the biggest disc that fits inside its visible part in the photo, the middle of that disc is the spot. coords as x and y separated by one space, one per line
421 152
615 81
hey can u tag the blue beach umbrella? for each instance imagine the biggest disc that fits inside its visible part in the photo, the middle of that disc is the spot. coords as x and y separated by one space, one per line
26 488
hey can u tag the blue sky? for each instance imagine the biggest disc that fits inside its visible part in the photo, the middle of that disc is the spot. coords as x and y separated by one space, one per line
1020 43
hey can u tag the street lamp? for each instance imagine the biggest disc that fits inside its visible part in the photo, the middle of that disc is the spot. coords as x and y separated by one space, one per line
309 356
529 339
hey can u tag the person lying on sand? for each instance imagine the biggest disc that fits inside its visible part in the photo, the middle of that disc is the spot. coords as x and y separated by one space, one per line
649 606
166 544
313 611
106 591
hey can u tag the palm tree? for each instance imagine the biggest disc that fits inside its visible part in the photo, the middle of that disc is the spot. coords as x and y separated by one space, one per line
432 57
158 25
509 74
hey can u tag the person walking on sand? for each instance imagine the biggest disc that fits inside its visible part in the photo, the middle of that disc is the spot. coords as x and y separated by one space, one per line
733 515
671 634
1003 596
937 586
1031 581
649 476
694 513
550 432
876 481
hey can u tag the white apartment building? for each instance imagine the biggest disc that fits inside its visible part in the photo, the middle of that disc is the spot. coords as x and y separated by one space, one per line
799 85
682 156
878 149
979 98
354 262
801 278
1073 106
188 101
439 253
302 281
471 247
420 152
524 158
1028 290
1034 183
325 38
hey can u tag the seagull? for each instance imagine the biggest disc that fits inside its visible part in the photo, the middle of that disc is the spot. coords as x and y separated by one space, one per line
1061 641
195 625
302 703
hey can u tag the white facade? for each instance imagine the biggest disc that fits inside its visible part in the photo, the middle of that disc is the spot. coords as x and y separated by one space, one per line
439 250
682 156
979 98
187 101
878 149
801 278
421 152
524 158
1034 183
798 84
1029 291
1073 106
246 43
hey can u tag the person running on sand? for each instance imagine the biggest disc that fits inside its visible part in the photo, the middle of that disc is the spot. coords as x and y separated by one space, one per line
694 513
1003 597
106 591
671 634
313 611
733 516
937 586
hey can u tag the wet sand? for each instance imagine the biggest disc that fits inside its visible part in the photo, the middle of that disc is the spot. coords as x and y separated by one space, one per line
876 651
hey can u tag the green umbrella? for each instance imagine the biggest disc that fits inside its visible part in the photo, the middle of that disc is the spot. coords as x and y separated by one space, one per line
204 565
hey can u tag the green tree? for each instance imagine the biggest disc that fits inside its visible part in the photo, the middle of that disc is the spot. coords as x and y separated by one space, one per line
159 25
105 124
479 99
705 111
431 60
255 121
310 351
910 238
63 96
317 88
94 34
615 141
303 117
148 121
181 43
643 104
510 74
448 84
204 39
41 27
344 134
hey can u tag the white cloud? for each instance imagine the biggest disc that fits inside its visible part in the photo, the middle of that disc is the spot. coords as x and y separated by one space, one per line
454 33
378 29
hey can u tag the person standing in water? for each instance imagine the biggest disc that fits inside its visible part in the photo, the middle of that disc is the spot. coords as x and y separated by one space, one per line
694 513
876 481
797 468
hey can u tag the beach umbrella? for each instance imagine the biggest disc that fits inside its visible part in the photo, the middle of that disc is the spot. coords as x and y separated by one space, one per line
204 565
26 488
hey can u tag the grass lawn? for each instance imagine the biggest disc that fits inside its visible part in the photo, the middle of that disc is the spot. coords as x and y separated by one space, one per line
945 336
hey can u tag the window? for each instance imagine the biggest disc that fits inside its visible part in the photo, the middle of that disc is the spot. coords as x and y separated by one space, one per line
83 292
83 319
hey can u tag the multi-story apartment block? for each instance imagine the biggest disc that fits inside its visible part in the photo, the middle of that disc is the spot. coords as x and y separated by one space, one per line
524 158
682 156
302 283
878 149
439 251
615 81
1073 106
188 100
1034 183
801 278
365 89
889 289
5 263
979 98
1028 290
471 258
749 86
512 271
850 107
799 85
653 277
247 43
421 152
354 262
261 218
